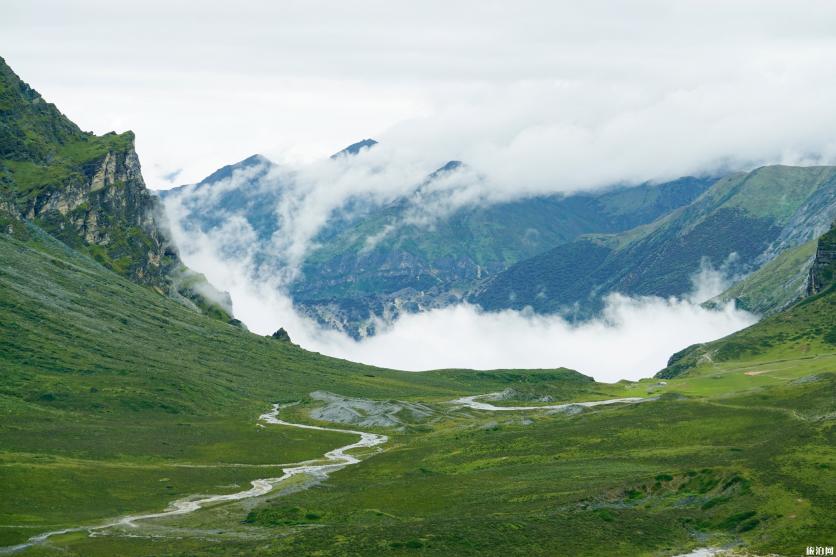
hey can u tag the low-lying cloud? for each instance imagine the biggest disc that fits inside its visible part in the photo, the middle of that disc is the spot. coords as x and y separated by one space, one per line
632 339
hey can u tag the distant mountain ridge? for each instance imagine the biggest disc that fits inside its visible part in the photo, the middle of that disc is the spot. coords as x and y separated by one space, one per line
375 262
741 222
562 254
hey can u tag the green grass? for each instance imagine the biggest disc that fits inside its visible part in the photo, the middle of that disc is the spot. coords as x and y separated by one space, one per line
640 480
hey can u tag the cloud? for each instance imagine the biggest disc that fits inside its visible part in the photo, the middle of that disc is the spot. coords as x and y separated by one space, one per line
710 281
172 176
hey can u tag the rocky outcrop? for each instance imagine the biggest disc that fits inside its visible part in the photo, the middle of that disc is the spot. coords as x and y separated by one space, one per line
105 208
281 335
103 204
823 271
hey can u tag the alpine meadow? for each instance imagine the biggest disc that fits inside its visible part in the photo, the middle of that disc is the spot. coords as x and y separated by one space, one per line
570 289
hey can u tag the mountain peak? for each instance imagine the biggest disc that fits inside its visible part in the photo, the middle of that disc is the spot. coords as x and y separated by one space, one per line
448 167
355 148
226 171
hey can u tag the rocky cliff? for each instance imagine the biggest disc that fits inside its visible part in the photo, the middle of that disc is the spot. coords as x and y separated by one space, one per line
105 206
823 271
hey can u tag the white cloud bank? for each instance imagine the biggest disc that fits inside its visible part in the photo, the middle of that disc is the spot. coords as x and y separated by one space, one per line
633 338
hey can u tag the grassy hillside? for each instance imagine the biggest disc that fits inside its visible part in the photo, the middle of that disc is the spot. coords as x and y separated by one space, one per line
116 400
106 385
739 223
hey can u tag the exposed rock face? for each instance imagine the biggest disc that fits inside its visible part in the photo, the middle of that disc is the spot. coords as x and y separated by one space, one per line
823 271
281 335
106 204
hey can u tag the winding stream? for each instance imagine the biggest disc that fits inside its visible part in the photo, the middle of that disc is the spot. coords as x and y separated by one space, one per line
336 460
471 402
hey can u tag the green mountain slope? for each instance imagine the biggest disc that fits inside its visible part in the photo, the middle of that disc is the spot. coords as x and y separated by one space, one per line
776 285
739 223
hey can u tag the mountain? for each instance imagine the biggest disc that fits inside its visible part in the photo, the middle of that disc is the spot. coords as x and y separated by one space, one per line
231 189
259 163
392 261
117 402
739 224
375 261
355 148
88 191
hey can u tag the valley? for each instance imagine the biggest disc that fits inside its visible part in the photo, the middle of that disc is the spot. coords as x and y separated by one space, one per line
139 417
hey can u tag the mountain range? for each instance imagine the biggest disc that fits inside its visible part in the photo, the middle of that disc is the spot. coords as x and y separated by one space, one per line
739 224
371 262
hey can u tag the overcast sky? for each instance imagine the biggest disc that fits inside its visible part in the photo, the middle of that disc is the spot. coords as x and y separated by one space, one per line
555 94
